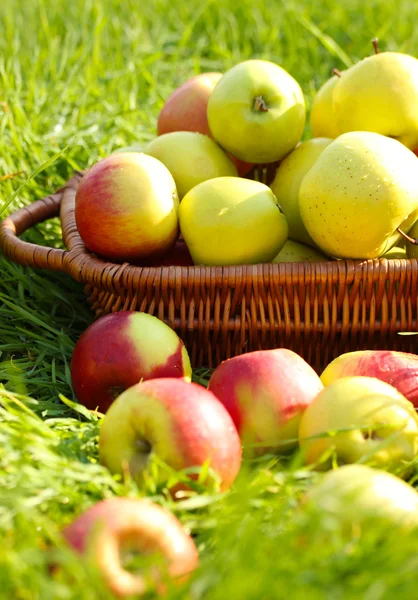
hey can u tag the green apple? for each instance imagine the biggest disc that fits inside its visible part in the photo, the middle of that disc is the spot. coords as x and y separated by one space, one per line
257 111
360 419
359 498
395 252
412 249
232 221
287 182
133 148
322 119
361 189
296 252
191 158
380 94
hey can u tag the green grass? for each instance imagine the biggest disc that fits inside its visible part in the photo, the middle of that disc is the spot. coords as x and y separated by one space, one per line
78 80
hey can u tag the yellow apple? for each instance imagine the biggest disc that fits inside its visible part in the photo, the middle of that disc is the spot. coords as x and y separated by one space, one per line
322 119
296 252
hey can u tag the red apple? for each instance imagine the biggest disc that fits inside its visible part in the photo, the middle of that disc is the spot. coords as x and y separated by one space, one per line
120 349
185 110
116 527
182 423
399 369
266 392
126 207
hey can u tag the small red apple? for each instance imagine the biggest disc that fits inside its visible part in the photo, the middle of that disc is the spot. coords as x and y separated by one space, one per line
113 528
120 349
266 392
182 423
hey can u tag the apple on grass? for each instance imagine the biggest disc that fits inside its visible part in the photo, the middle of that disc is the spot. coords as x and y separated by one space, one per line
257 112
266 392
121 349
182 424
399 369
126 207
360 419
113 530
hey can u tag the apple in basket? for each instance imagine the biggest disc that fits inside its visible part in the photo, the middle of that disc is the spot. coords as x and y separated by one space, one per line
119 350
181 424
115 531
126 207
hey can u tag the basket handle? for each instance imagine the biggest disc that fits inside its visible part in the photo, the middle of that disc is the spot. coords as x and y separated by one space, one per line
25 253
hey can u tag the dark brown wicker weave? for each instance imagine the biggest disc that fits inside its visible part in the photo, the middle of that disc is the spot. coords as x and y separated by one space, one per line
320 310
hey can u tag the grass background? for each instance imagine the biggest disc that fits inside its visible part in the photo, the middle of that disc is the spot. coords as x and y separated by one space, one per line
78 80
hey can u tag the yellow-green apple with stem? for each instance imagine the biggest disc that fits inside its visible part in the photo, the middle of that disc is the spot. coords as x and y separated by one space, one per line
396 252
126 207
359 195
182 424
399 369
191 158
186 110
266 392
113 530
360 419
286 184
296 252
358 498
232 221
121 349
257 111
322 118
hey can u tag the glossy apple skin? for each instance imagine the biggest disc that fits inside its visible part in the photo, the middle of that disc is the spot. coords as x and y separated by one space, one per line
399 369
183 423
113 526
120 349
126 207
266 392
186 110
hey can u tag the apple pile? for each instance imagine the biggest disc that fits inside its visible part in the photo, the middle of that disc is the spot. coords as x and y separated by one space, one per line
193 194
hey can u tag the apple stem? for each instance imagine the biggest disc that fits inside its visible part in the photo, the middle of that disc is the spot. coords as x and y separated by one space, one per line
336 72
260 105
408 238
375 42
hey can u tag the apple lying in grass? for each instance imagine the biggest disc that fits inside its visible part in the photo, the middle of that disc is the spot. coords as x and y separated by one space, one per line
186 110
126 207
112 530
359 498
120 349
183 424
266 392
360 418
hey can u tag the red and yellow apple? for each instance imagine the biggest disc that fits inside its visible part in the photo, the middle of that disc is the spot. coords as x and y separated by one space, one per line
111 530
399 369
126 207
360 419
186 110
266 392
119 350
183 424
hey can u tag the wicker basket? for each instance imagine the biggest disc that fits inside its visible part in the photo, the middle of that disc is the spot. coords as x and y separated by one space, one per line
319 310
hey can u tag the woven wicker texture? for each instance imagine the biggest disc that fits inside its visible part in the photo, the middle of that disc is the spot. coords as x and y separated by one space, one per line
319 310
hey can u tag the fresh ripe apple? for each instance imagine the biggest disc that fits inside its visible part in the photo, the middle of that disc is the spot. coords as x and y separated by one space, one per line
120 349
287 182
296 252
232 221
412 249
266 392
186 110
359 498
380 94
360 190
126 207
112 530
396 251
360 418
191 158
182 423
399 369
322 119
257 111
